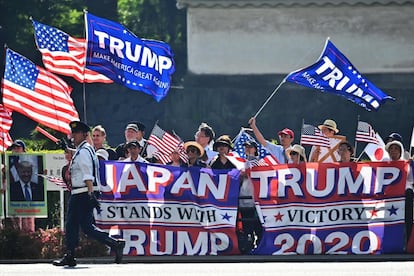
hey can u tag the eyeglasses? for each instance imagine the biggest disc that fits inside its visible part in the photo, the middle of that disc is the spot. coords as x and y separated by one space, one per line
293 153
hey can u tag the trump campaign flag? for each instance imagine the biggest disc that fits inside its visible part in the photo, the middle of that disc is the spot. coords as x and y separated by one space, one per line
64 55
37 93
139 64
334 73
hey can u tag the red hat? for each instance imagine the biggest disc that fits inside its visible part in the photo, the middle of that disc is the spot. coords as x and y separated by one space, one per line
287 131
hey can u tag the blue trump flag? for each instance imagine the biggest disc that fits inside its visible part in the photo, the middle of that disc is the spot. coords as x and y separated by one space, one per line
139 64
334 73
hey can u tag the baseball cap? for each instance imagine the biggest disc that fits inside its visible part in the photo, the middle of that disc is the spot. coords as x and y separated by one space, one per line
287 131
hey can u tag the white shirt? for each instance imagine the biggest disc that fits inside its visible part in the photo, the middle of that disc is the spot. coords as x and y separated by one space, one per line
139 159
83 162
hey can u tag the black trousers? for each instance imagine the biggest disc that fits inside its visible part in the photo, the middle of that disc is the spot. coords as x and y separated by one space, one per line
80 215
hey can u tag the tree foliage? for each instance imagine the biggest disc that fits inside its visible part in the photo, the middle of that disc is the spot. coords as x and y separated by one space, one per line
151 19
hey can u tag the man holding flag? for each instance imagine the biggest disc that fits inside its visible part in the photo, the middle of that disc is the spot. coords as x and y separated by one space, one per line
286 137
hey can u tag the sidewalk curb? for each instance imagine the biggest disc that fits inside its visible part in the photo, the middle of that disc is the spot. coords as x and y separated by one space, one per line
231 259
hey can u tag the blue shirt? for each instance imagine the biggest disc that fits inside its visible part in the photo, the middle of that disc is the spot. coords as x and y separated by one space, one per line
277 151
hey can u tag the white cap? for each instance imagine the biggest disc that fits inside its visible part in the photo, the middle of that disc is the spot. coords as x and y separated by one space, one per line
102 153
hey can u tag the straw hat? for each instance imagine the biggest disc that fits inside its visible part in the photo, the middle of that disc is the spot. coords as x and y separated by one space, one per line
194 144
331 124
299 149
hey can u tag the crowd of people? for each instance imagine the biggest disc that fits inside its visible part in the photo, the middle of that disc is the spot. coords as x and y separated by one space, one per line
208 151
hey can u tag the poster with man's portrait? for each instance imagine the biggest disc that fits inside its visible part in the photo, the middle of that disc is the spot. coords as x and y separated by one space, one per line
26 193
2 189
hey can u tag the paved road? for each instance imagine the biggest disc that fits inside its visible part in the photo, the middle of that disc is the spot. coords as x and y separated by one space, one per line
216 269
321 266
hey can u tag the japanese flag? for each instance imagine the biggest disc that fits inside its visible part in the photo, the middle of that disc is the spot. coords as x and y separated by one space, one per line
377 152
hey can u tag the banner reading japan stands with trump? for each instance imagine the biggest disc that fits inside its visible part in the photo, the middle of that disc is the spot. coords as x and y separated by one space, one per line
139 64
165 210
326 208
332 208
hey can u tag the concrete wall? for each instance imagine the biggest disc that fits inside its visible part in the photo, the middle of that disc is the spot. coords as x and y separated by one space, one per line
246 39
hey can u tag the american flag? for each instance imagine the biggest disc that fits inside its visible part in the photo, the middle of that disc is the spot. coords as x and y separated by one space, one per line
37 93
5 125
241 163
56 180
242 138
165 144
311 135
65 55
365 133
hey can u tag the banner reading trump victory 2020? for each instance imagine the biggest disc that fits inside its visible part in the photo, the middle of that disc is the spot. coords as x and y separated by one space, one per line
165 210
139 64
331 208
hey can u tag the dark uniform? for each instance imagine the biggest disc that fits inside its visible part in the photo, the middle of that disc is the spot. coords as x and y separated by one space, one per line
84 170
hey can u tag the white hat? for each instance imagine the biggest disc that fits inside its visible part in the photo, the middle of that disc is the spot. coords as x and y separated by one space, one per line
397 143
298 149
102 153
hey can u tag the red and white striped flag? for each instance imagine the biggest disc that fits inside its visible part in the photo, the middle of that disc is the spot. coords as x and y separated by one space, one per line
311 135
65 55
365 133
6 122
37 93
56 180
165 144
268 160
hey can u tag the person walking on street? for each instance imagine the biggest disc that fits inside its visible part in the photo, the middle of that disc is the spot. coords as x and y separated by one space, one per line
84 170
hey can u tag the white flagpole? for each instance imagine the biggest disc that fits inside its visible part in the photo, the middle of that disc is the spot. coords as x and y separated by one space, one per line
271 95
284 80
238 135
152 130
355 143
84 105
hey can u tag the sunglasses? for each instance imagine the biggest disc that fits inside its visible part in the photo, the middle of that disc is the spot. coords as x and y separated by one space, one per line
193 150
293 153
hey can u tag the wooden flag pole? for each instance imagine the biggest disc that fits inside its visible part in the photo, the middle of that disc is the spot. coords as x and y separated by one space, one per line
47 134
